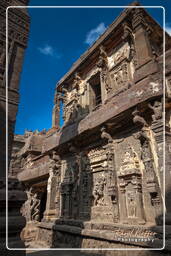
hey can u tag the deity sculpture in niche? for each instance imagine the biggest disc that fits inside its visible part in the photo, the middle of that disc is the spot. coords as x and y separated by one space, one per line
130 183
98 191
131 201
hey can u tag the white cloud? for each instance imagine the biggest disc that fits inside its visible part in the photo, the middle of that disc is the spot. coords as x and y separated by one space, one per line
168 28
49 51
94 33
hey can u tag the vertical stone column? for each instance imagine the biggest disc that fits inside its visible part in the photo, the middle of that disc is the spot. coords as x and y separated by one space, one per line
142 44
56 111
122 210
52 212
18 35
157 128
144 54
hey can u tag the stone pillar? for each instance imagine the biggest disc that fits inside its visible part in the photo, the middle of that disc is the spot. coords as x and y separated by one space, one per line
143 48
157 128
56 112
16 222
50 212
53 204
122 210
18 35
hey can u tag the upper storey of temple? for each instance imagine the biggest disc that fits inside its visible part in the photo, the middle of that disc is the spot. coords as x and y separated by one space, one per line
111 66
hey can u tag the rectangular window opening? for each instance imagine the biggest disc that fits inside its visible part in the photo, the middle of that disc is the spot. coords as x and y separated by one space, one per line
95 91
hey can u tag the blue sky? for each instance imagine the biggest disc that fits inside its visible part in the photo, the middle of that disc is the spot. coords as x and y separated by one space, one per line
57 38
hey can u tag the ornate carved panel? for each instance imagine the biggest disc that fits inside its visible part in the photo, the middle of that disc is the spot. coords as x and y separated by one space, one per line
121 69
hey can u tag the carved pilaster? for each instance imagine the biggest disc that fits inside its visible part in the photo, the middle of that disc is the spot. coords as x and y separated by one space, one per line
53 198
142 45
152 193
130 183
102 63
56 110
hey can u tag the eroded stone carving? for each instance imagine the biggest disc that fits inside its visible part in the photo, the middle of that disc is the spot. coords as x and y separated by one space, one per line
131 187
103 65
34 208
105 135
121 54
98 191
139 119
157 109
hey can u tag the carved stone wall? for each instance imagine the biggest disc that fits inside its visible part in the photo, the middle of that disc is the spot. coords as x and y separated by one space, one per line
104 168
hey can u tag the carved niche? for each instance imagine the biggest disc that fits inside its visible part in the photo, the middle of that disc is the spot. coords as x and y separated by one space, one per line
104 195
130 186
70 187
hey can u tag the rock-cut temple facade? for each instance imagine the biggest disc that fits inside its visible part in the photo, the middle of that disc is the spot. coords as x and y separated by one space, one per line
103 179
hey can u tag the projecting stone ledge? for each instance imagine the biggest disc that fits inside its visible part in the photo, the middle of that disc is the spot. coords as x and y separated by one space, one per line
141 92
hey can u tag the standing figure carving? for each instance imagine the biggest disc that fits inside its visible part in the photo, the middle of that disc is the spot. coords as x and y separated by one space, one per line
131 204
103 65
98 192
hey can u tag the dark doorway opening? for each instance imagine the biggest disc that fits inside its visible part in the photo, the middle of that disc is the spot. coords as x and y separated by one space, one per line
95 91
43 204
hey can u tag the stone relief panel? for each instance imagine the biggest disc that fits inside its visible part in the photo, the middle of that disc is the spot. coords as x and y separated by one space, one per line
31 208
121 69
122 54
139 193
130 186
70 187
104 194
75 100
115 182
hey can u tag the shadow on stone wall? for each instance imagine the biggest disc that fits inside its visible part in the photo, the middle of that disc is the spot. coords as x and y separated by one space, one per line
16 196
